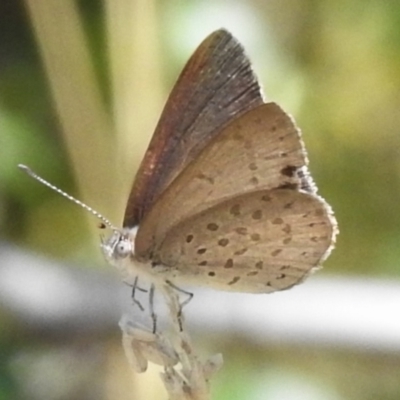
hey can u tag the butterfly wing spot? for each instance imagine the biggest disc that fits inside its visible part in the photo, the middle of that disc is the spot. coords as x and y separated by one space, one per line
189 238
259 264
289 171
241 230
257 214
204 177
287 240
255 237
277 221
240 252
229 263
289 185
252 273
287 229
212 227
202 263
234 280
211 273
281 276
235 210
201 250
317 239
223 242
284 267
266 197
253 166
254 180
276 252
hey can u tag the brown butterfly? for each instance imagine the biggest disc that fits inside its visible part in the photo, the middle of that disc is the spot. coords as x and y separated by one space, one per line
223 197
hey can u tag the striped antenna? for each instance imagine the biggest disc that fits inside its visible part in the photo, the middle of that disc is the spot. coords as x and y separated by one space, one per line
103 219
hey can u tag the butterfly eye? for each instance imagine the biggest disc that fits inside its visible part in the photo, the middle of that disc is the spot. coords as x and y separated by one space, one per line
123 248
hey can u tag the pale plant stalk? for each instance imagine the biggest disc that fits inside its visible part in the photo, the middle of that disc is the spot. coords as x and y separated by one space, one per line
85 125
185 376
191 381
136 79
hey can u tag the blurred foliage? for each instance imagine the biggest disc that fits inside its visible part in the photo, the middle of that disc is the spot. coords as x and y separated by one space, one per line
282 372
335 66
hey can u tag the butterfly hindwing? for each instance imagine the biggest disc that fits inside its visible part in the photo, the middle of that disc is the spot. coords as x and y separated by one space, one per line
256 242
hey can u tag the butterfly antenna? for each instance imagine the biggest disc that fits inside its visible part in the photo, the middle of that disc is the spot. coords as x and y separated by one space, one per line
103 219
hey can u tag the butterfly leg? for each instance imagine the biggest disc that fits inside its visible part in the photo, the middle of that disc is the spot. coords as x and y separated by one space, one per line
152 313
184 303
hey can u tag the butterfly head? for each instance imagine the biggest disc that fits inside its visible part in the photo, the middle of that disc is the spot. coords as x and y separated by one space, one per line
119 246
119 251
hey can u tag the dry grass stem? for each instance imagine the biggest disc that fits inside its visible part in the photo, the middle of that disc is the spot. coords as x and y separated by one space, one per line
185 376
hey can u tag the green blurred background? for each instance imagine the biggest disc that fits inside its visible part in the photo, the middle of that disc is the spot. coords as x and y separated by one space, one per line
81 87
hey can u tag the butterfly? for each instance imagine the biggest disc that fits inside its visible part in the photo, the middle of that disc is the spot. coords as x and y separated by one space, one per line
223 197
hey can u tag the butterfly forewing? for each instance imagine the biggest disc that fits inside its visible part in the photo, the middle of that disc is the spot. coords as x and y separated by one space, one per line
216 85
260 150
257 242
